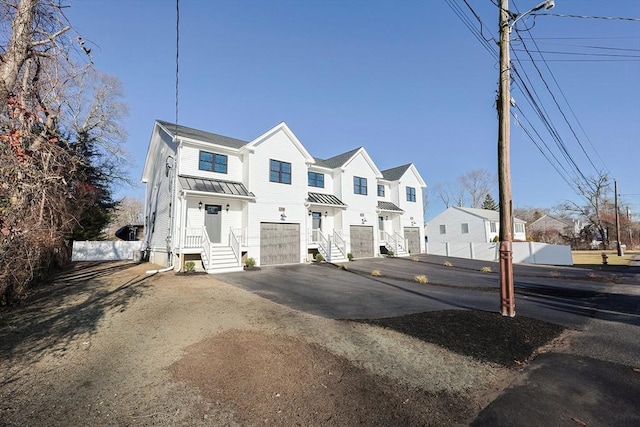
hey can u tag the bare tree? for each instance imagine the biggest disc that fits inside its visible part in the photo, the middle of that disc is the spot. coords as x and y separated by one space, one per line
598 212
57 163
451 195
477 183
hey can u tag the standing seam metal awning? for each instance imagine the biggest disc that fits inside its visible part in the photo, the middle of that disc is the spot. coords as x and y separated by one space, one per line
388 206
325 199
214 186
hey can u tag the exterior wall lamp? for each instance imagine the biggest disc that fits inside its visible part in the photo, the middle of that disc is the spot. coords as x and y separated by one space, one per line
200 205
227 207
283 217
326 214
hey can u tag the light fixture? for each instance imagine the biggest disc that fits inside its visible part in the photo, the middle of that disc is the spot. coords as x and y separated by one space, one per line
227 207
364 220
326 214
283 217
200 205
386 217
309 212
546 5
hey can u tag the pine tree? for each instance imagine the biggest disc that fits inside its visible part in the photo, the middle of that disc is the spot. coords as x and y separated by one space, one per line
489 203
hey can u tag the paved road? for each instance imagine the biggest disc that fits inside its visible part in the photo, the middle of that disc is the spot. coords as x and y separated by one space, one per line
593 382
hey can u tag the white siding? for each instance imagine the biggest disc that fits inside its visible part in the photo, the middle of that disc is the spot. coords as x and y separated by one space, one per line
413 211
189 163
453 219
274 199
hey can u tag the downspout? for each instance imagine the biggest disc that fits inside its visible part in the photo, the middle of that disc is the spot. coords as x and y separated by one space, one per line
170 164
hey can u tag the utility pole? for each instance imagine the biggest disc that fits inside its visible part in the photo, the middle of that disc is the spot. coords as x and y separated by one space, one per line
507 293
618 245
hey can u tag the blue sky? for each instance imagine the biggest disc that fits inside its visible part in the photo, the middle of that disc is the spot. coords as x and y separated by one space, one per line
405 79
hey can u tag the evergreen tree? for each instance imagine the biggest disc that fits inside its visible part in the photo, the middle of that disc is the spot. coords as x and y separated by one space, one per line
489 203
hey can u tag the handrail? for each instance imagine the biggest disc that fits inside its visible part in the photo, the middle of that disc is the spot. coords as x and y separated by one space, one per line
206 246
324 245
234 242
400 238
340 243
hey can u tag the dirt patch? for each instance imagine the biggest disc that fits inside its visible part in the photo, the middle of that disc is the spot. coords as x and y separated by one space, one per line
279 380
108 344
488 337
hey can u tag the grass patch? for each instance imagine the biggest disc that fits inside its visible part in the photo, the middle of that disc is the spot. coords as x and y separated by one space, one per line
591 258
486 269
376 273
421 279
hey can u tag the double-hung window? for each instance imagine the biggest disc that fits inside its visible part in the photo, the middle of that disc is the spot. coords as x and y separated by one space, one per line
443 229
519 227
380 190
316 179
279 171
464 228
212 162
359 185
411 194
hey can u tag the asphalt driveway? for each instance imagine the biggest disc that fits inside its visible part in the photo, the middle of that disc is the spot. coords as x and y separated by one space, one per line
559 295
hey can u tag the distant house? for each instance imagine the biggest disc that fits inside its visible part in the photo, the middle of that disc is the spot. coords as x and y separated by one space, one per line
549 229
219 200
469 225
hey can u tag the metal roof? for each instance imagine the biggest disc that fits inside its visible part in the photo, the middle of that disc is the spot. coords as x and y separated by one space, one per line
388 206
215 186
325 199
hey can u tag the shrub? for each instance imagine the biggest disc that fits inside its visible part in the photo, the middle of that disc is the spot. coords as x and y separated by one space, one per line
376 273
391 254
421 279
448 264
319 257
343 267
486 269
496 239
249 263
350 256
189 267
415 258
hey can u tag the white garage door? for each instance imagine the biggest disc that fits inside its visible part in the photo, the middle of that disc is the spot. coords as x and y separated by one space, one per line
361 241
279 243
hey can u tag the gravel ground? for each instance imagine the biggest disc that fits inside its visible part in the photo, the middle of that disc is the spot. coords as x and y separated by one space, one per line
107 344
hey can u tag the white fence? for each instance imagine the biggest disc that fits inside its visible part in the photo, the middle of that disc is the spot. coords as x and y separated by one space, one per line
104 251
523 252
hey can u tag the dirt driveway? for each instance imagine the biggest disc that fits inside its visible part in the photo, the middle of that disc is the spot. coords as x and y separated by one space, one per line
107 344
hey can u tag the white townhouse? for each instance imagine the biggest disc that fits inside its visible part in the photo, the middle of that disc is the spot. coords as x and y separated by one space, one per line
219 200
469 225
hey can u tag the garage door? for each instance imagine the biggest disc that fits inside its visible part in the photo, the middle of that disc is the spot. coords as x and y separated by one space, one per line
361 241
412 234
279 243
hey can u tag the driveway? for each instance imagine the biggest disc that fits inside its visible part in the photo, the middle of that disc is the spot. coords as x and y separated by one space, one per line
566 296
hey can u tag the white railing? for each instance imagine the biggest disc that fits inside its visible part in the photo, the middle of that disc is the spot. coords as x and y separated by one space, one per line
383 236
234 242
401 242
314 235
241 234
324 245
206 247
340 243
192 238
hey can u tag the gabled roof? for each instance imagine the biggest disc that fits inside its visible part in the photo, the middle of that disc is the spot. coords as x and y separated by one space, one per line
388 206
282 127
484 213
200 135
569 222
339 160
396 173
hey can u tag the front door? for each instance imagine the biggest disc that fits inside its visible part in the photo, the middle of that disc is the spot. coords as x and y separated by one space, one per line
316 220
213 222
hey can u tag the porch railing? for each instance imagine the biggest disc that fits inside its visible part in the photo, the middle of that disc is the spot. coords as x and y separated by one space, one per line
340 243
315 235
234 242
192 238
401 242
324 245
206 247
241 234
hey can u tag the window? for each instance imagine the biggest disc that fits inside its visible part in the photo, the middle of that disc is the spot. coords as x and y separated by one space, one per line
359 185
411 194
493 227
316 179
212 162
443 229
519 227
280 172
380 190
465 228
